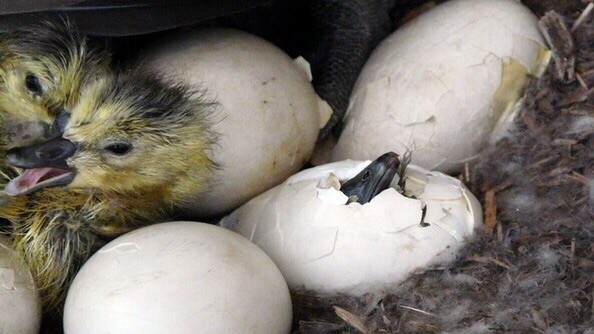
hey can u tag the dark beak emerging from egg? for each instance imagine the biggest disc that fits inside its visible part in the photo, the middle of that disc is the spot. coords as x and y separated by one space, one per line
372 180
45 166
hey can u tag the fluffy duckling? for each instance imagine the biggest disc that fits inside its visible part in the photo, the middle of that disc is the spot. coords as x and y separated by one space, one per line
42 71
120 149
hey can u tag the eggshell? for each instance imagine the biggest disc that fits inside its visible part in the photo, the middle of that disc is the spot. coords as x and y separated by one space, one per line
269 115
179 277
321 244
20 307
440 84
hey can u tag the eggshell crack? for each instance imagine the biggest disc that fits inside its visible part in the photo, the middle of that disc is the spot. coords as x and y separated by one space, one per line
442 92
321 243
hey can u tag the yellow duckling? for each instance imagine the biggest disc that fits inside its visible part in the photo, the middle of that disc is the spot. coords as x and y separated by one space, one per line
126 151
42 70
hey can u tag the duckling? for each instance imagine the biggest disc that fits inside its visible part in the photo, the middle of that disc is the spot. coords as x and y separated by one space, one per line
373 179
377 177
42 70
128 150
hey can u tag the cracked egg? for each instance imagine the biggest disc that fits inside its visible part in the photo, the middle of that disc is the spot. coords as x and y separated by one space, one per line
444 84
321 243
179 277
20 306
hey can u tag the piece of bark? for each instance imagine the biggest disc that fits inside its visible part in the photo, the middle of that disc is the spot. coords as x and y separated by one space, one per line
490 211
553 27
352 320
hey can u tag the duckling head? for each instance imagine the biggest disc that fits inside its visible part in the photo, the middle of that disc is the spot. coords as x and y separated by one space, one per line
128 133
43 70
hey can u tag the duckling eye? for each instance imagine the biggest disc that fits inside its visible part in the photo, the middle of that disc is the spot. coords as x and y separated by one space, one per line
119 148
33 84
366 175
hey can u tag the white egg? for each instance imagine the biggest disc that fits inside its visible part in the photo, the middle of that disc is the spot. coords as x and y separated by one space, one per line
20 307
321 244
440 84
268 118
178 277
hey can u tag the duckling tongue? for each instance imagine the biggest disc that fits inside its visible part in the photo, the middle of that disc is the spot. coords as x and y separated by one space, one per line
37 178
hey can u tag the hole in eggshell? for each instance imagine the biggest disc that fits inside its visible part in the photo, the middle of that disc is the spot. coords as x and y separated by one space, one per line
416 190
336 197
328 193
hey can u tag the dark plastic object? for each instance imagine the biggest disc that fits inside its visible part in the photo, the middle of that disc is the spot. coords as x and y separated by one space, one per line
125 17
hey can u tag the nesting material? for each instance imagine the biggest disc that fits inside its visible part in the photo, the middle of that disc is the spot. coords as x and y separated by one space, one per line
320 243
444 83
531 272
179 277
269 115
20 306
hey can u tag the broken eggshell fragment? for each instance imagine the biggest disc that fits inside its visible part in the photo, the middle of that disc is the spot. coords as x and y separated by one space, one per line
321 244
444 84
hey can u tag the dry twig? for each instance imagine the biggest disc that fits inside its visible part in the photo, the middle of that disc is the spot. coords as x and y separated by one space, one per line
559 39
490 211
352 320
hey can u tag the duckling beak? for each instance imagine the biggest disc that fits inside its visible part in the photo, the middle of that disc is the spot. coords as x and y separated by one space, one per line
45 163
51 153
372 180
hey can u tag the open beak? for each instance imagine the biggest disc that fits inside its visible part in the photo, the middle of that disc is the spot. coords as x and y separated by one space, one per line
45 166
372 180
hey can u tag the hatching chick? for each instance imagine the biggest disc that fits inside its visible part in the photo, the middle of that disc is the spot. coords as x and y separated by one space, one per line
126 151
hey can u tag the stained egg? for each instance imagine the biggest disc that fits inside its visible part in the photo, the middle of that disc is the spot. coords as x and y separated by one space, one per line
444 84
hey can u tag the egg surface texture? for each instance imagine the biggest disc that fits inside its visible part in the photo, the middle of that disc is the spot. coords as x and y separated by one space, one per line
178 278
20 307
267 117
320 243
444 84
